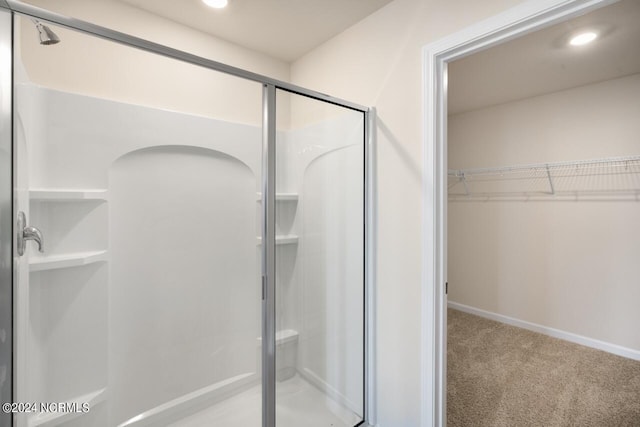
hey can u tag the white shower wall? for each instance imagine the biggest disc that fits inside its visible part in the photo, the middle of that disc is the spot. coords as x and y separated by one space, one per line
172 304
177 304
323 161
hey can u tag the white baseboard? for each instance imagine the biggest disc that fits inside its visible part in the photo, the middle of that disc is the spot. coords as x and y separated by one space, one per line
556 333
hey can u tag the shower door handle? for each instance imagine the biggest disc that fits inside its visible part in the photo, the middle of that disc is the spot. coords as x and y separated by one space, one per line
27 232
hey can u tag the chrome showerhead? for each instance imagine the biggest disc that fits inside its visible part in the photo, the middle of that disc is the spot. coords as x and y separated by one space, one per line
46 34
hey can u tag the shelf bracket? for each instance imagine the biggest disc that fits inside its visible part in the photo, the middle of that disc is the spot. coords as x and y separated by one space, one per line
553 191
464 182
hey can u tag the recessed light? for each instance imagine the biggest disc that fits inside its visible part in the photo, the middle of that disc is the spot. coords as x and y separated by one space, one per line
583 38
216 4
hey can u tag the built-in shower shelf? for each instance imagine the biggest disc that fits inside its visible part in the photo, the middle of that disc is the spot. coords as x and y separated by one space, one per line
67 195
54 418
289 239
76 259
282 197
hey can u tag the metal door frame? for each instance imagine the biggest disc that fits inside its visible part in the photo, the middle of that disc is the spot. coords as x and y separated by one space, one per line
270 86
6 211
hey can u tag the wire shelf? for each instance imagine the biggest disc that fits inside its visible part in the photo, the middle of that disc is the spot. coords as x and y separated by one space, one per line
611 178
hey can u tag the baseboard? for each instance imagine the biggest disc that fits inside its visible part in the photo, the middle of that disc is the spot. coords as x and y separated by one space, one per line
556 333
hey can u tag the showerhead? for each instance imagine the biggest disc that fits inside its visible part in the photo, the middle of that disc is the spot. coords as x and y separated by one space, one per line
46 34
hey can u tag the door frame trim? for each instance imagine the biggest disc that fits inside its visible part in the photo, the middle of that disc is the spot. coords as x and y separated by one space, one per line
515 22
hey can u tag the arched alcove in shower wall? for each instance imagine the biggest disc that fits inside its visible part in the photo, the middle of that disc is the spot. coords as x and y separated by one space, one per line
149 288
184 275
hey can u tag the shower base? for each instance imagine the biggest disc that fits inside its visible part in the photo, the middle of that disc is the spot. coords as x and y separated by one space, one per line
298 402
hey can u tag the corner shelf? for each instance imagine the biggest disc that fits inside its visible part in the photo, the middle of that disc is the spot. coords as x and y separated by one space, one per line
67 194
46 419
76 259
282 197
289 239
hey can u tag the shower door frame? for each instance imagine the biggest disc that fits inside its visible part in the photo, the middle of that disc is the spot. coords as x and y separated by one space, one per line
6 202
270 86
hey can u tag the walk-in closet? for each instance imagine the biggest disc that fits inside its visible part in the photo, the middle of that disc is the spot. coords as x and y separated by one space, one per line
543 232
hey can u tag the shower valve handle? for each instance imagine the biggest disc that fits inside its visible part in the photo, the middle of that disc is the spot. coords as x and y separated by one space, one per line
27 232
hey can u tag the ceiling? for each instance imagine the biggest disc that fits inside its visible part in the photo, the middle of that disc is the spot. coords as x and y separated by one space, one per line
283 29
542 62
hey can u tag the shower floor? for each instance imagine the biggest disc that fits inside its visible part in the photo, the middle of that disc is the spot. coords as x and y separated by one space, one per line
298 403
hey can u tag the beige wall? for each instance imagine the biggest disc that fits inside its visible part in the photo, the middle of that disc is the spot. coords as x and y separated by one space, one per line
91 66
378 62
572 266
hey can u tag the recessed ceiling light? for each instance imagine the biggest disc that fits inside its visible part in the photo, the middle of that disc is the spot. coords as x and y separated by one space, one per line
216 4
583 38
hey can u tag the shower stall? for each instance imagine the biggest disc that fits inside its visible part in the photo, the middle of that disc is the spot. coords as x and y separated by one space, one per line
201 260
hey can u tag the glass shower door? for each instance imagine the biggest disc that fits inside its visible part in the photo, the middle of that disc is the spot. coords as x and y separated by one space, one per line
320 261
141 173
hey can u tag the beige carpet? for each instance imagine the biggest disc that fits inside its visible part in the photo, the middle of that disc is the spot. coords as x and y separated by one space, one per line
500 375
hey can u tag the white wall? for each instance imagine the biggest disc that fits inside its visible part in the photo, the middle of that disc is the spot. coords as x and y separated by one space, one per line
123 17
377 62
566 265
91 66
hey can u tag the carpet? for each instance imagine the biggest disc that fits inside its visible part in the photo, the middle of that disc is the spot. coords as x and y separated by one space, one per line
501 375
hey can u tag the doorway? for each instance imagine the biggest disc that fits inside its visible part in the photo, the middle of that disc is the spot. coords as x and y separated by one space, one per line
439 57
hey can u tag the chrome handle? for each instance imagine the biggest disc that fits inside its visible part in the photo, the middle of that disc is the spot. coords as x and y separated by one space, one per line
27 232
